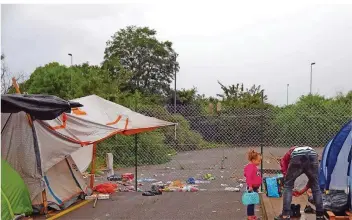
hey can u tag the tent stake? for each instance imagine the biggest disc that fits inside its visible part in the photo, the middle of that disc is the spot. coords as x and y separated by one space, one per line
135 160
92 172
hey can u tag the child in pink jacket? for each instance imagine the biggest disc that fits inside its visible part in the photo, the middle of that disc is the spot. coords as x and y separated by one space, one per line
253 178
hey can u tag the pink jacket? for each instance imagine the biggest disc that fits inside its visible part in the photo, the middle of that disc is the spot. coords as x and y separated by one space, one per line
253 175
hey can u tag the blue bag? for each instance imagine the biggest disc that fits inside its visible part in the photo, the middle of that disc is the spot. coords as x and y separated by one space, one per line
250 198
272 188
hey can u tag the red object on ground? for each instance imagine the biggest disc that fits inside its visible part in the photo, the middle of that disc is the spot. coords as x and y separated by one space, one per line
106 188
129 176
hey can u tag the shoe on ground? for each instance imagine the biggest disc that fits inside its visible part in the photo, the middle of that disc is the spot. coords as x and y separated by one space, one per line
297 211
148 193
320 216
309 210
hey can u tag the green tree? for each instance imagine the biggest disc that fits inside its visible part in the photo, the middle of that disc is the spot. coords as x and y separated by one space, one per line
238 96
6 77
313 120
74 82
151 62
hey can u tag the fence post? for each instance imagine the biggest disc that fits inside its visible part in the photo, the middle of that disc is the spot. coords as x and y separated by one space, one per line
136 152
262 136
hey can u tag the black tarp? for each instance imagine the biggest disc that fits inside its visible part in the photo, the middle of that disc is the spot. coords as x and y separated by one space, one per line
42 107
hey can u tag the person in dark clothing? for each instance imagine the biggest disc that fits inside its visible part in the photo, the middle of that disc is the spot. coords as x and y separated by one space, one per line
297 161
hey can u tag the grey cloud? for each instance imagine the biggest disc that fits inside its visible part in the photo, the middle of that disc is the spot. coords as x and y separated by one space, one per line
261 45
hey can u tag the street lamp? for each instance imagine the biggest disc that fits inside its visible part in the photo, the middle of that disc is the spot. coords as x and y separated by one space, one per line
287 94
70 54
311 73
175 71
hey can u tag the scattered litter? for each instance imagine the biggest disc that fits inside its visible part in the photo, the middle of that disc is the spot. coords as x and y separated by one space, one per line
221 171
201 181
208 177
224 185
107 215
148 193
99 196
148 180
213 211
202 190
238 210
190 189
158 183
128 176
239 186
232 189
241 180
176 183
173 168
222 177
162 175
191 180
115 177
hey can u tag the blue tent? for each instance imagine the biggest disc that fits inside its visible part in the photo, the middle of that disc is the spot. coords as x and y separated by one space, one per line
350 177
335 166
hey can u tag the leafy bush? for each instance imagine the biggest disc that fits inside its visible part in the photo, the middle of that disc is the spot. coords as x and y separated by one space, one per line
186 139
151 149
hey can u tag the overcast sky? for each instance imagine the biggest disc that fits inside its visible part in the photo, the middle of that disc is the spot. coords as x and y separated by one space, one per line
265 43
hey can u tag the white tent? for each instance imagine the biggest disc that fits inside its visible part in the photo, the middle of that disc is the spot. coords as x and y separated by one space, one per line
50 155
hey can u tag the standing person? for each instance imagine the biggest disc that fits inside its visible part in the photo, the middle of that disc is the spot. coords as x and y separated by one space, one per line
253 179
299 160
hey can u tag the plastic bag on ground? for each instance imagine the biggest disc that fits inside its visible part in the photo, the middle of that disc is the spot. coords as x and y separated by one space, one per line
106 188
335 201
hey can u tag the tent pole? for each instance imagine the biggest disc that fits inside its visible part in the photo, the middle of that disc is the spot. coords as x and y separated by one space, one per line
45 202
14 83
44 197
135 160
92 172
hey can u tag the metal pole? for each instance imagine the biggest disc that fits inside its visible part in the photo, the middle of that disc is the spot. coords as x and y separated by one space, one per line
136 154
175 93
311 70
287 94
136 161
262 138
311 77
70 54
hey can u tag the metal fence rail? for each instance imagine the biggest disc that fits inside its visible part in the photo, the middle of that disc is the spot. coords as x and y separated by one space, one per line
217 143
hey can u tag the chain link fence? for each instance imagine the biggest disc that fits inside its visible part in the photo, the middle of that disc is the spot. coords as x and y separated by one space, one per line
216 142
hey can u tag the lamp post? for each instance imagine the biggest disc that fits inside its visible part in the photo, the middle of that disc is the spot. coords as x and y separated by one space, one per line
175 71
287 93
175 106
311 77
70 54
